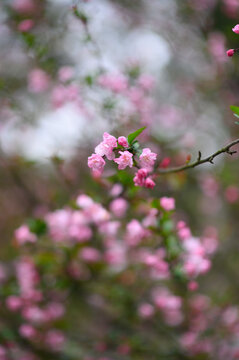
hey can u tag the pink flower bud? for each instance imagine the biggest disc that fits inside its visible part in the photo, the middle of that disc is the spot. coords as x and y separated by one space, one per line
123 141
25 25
192 285
149 183
236 29
230 52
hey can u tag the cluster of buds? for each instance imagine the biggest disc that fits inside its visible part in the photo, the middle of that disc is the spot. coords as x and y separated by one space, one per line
231 52
110 147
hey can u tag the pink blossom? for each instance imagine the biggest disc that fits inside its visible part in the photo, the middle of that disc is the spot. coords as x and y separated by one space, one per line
58 96
58 223
124 160
27 277
115 82
84 201
90 254
105 148
109 228
169 304
149 183
146 310
24 6
119 207
146 82
192 286
230 52
210 245
55 310
55 339
167 203
26 25
135 233
38 81
96 163
184 233
139 179
236 29
35 315
14 303
27 331
123 141
188 339
165 163
232 194
231 8
65 73
116 190
115 255
24 235
147 159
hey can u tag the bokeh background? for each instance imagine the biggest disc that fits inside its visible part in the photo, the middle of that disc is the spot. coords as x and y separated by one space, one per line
57 97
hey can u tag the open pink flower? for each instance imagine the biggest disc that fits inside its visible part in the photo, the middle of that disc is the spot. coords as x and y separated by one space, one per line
105 148
147 158
124 160
96 163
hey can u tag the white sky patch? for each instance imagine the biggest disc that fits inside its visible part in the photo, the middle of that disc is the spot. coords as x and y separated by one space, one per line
57 133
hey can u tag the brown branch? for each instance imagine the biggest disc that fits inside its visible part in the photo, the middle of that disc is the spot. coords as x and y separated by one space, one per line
199 161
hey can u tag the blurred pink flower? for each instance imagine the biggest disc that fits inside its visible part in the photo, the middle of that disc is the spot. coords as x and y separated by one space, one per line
119 207
38 81
146 310
24 6
167 203
26 25
65 73
24 235
55 339
96 163
27 331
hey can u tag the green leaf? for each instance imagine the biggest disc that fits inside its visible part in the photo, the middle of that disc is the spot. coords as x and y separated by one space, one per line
37 226
29 39
135 134
237 122
235 110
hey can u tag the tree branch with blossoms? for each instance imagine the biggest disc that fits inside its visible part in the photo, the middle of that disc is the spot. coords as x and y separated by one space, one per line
132 155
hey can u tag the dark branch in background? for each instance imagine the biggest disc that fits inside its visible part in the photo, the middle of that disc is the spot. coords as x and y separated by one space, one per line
199 161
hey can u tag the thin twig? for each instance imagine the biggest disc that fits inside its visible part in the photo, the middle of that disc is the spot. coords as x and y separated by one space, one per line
199 161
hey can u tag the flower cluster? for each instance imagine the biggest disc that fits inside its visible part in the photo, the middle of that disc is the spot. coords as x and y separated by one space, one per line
110 147
93 235
231 52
